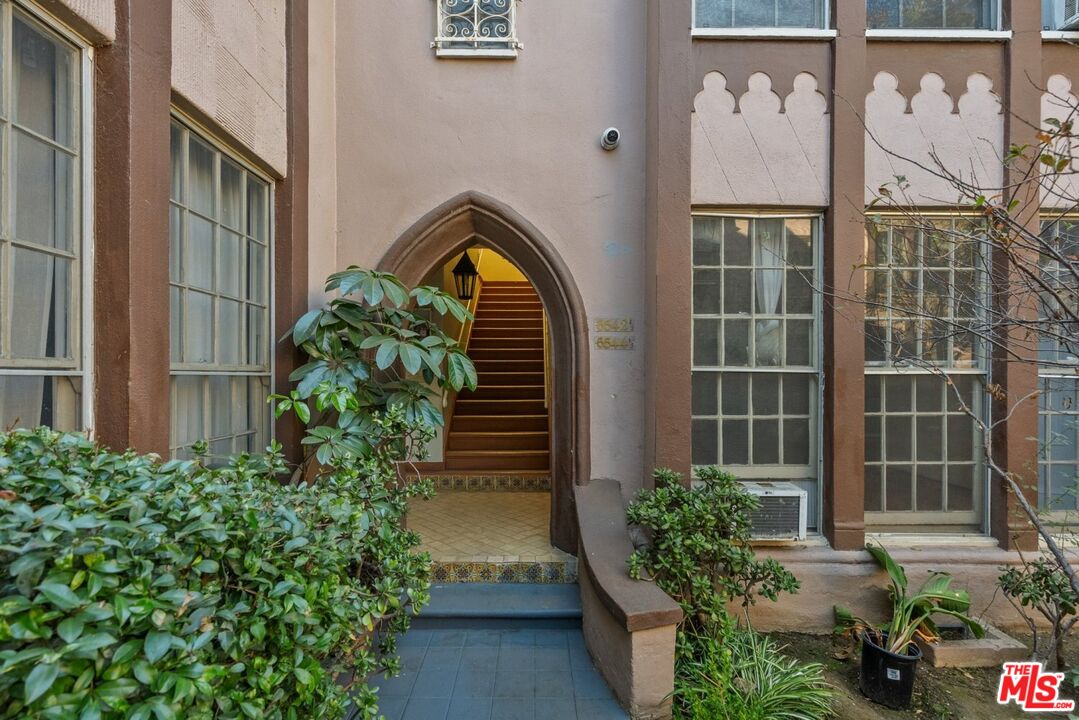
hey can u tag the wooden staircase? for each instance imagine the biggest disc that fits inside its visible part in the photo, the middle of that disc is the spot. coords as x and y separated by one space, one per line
502 425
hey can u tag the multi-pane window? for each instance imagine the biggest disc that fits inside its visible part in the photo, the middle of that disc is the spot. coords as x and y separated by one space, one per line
920 453
755 357
924 385
932 14
41 230
924 290
476 26
219 274
1058 427
760 13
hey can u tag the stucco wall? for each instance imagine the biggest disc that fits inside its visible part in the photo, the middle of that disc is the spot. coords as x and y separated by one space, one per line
322 124
96 18
1058 103
760 148
228 59
938 131
414 131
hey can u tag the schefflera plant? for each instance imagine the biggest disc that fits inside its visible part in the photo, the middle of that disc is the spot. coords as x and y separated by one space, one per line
376 347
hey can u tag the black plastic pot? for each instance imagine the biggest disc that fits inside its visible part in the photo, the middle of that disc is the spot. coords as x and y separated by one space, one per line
887 678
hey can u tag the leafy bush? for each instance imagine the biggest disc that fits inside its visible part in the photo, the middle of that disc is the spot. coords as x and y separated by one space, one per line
739 674
698 552
698 549
137 589
1040 587
375 347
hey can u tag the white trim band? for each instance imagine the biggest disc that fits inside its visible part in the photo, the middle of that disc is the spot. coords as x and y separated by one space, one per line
764 33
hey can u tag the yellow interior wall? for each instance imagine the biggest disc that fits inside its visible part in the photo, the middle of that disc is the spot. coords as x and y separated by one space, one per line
494 267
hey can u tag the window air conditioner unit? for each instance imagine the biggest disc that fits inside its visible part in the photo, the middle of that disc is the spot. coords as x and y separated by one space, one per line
1070 15
782 511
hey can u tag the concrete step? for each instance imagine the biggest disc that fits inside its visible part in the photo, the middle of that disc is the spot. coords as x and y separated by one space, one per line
498 378
481 354
503 392
498 441
485 342
499 423
501 606
498 365
473 460
467 406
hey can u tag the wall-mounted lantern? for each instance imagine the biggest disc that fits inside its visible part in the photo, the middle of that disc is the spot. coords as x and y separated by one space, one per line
464 277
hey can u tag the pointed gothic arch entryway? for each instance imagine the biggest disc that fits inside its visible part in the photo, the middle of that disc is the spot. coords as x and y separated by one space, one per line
472 218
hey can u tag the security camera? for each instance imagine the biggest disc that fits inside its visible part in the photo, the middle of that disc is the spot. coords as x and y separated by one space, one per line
610 138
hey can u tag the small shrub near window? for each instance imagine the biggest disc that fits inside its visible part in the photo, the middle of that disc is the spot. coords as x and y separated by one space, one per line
134 589
698 551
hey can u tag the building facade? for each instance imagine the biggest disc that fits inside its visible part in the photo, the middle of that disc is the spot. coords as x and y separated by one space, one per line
180 178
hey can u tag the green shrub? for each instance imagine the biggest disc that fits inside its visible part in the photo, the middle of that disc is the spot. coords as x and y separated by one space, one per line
739 674
698 550
137 589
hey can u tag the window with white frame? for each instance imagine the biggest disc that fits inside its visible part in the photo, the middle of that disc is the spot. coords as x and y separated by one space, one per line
1058 426
219 270
925 374
482 27
43 242
932 14
760 14
755 356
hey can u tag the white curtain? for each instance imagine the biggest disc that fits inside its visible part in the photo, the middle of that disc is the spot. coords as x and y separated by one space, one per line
768 251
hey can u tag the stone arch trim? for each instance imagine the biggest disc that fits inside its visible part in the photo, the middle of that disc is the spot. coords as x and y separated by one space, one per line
474 218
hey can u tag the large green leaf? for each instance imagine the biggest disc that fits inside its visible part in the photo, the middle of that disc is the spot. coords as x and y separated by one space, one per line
39 681
305 327
894 569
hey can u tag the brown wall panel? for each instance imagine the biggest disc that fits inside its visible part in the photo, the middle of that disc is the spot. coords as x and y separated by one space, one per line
780 60
131 233
953 61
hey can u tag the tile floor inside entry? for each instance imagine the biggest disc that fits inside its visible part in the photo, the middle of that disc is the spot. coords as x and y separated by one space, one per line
489 674
490 537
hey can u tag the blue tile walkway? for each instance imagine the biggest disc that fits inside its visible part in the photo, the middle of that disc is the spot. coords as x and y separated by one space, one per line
495 674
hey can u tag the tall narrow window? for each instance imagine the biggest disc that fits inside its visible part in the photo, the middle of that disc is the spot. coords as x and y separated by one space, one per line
220 297
41 228
1058 427
760 13
755 332
932 14
924 374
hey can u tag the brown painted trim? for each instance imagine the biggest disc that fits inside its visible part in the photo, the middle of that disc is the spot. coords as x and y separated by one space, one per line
472 218
843 521
1014 445
131 229
291 221
605 547
953 61
423 467
780 60
668 242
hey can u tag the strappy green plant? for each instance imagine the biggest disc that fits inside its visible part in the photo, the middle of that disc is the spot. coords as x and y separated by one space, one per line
912 614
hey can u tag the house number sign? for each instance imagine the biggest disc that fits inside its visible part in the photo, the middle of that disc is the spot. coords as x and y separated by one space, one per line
614 325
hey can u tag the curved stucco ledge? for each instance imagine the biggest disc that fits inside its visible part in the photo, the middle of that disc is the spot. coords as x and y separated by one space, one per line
629 625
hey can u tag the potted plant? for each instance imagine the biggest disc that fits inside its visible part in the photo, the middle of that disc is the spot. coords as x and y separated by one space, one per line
889 653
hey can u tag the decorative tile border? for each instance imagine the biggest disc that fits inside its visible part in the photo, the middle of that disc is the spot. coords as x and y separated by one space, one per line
545 573
493 483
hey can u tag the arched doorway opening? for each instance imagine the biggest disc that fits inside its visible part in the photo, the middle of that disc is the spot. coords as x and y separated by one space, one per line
473 219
